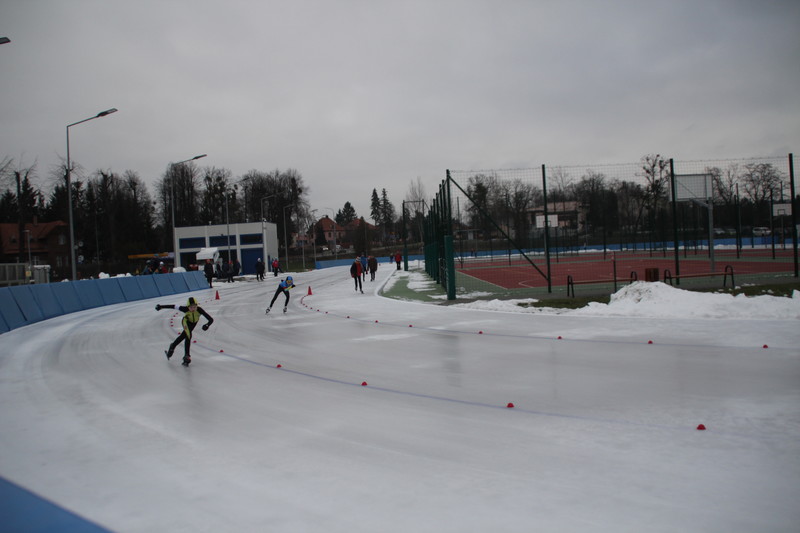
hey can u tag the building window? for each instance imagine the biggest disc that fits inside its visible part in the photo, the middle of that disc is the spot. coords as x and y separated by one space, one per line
192 242
222 240
252 238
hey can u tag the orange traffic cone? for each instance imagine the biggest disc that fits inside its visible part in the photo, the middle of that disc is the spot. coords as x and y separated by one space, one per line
217 298
309 290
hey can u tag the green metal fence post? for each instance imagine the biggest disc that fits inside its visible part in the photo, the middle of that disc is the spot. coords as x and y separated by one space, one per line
450 266
675 222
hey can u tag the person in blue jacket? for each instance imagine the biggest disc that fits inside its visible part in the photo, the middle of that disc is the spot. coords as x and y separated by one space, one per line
364 266
283 287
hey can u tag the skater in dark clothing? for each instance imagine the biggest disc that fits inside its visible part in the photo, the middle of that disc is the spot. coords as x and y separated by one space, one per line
283 287
260 269
355 273
208 270
275 267
372 264
190 320
226 270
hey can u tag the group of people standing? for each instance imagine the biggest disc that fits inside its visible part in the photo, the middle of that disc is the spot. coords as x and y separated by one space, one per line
226 271
261 268
363 264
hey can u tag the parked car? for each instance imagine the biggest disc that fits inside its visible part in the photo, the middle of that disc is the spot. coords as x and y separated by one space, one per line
760 231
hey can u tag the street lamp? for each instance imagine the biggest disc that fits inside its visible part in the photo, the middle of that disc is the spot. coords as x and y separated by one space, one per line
335 252
264 228
30 258
69 190
172 204
228 224
285 238
314 236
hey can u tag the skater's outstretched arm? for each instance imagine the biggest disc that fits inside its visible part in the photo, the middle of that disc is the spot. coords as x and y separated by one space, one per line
208 317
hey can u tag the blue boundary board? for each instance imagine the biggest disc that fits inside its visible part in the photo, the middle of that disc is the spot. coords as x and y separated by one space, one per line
22 510
25 304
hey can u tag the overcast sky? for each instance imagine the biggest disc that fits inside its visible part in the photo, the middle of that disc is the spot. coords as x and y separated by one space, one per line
357 95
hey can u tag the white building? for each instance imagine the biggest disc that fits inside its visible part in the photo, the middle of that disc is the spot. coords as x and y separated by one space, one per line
245 242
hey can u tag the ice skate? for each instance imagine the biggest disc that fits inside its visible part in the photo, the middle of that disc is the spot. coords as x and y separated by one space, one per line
168 354
186 361
284 309
267 311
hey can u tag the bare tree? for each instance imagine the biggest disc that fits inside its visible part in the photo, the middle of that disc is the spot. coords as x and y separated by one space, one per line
761 181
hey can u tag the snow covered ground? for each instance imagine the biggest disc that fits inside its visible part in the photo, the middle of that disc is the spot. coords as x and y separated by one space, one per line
356 412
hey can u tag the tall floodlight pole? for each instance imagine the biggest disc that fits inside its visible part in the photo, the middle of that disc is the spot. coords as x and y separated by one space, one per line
335 252
176 260
69 190
314 236
228 224
285 237
264 228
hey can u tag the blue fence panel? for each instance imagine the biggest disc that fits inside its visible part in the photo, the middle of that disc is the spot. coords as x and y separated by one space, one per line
12 314
148 286
130 288
196 280
25 304
88 293
46 299
110 291
67 296
165 288
24 297
178 282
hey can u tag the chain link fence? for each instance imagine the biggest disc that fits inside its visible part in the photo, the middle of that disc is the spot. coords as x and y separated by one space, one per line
525 232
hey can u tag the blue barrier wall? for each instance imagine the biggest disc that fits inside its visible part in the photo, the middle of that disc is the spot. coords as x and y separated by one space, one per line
26 304
12 314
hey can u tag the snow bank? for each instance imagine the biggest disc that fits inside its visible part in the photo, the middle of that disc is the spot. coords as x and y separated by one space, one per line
659 300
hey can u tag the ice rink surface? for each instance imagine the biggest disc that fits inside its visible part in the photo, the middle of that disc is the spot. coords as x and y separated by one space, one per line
356 412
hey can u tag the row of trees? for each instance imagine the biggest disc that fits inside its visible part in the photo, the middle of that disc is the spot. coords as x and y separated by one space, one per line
742 192
115 215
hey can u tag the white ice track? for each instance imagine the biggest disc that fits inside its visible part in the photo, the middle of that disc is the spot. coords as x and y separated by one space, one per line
602 435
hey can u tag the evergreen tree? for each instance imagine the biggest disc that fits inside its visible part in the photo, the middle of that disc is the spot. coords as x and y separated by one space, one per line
375 207
346 215
387 210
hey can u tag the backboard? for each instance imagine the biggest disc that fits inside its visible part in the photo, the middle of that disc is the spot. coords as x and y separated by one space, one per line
693 187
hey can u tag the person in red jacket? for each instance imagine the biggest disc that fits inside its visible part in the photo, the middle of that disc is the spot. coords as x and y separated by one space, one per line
355 272
397 258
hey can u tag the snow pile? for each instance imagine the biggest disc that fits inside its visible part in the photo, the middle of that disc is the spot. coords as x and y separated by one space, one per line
659 300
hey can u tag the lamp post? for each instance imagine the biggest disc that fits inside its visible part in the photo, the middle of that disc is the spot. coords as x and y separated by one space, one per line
264 228
176 259
30 258
285 237
314 236
228 224
335 252
69 189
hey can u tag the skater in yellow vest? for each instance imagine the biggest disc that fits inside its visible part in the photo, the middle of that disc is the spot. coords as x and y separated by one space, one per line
190 319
